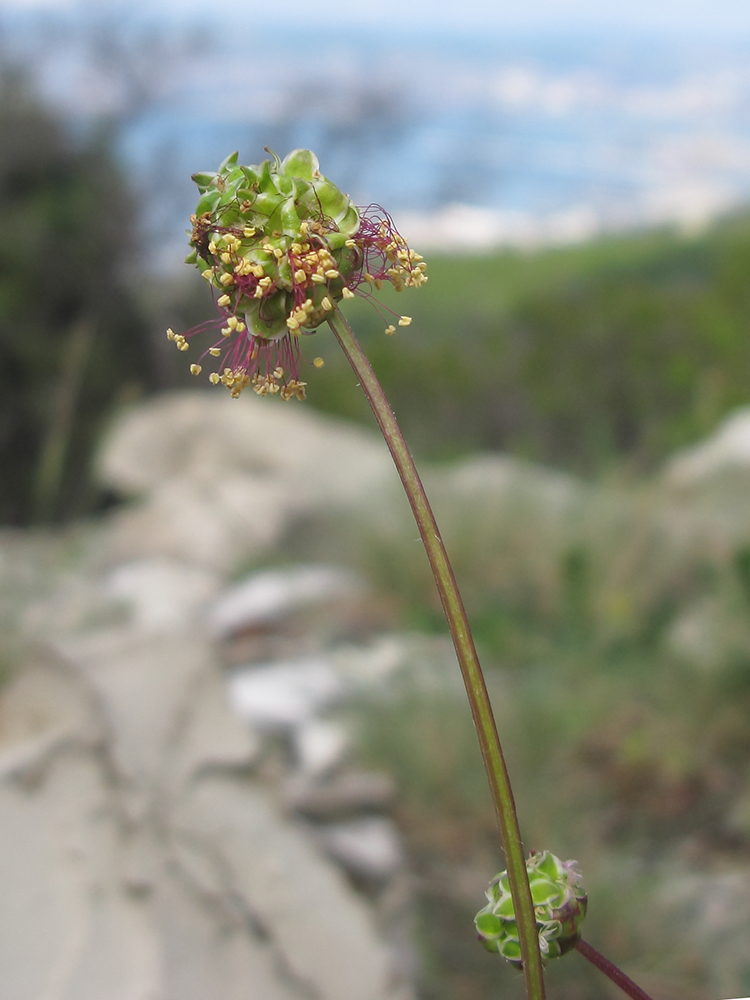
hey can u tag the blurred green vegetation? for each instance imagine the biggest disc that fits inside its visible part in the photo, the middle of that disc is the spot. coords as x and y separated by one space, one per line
625 348
72 338
613 625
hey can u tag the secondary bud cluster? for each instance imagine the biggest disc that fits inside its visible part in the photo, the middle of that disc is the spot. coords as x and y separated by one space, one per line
559 906
281 245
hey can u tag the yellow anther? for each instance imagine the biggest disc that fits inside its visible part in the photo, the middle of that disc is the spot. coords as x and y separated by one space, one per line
226 331
278 253
226 258
278 372
292 324
296 248
332 273
326 304
232 322
241 327
347 293
215 351
195 369
214 378
300 275
223 300
303 228
368 276
404 320
208 275
350 243
212 247
318 279
170 334
226 279
318 362
258 293
265 282
390 330
249 232
183 346
378 283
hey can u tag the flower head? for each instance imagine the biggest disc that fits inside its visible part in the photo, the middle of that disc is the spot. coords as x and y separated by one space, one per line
559 906
281 246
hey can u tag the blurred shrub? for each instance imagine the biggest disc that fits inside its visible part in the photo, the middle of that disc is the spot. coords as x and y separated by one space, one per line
72 343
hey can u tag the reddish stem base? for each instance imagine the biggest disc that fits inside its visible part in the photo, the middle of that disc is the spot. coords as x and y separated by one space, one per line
618 977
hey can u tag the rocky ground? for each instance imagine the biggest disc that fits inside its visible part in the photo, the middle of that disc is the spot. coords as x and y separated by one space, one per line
182 814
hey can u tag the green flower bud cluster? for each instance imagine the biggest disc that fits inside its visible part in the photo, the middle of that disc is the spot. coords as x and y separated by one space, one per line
282 245
559 906
275 241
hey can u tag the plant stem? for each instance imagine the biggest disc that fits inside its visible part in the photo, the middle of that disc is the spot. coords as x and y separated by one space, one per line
481 710
610 969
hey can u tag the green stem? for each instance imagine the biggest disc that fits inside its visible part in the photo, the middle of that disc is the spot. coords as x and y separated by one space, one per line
481 710
609 969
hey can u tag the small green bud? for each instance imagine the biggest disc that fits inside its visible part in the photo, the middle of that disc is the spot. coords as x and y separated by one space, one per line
559 905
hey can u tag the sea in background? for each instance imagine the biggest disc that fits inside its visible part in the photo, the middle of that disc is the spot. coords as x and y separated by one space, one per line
471 142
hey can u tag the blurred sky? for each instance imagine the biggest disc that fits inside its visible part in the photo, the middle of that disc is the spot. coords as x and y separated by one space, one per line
640 15
479 123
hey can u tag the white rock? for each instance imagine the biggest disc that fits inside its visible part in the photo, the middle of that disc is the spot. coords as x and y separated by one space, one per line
320 745
727 450
139 862
368 847
219 479
283 694
163 594
265 598
324 932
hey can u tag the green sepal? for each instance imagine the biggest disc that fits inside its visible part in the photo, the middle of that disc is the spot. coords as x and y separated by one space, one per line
228 162
208 202
204 180
349 224
302 163
333 202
